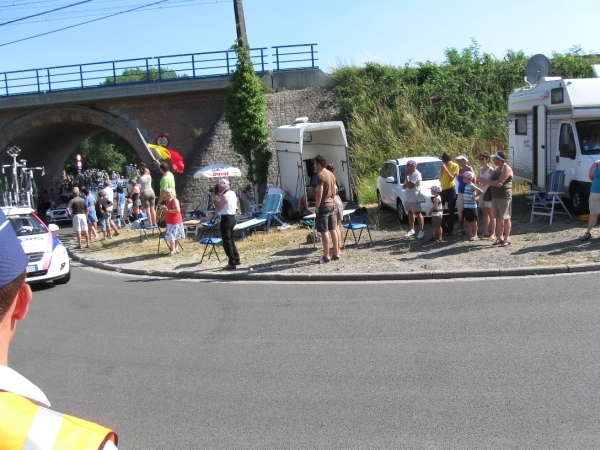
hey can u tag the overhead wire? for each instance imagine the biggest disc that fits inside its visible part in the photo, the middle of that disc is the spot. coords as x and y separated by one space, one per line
82 23
45 12
96 12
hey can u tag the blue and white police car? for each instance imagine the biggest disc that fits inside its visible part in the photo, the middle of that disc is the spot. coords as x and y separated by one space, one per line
48 258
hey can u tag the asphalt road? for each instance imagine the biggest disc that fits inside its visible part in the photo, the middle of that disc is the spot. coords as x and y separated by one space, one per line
469 364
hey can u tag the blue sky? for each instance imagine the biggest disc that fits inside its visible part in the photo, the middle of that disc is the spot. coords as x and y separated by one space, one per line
346 31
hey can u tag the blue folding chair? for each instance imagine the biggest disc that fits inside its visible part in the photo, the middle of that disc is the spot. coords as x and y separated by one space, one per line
213 242
546 201
358 222
210 227
143 217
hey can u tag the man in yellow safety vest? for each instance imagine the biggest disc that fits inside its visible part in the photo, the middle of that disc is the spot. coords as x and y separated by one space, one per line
25 420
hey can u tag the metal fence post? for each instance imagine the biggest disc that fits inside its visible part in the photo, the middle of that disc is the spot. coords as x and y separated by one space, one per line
114 73
49 80
227 59
312 55
6 83
277 57
193 66
159 70
147 71
81 75
37 76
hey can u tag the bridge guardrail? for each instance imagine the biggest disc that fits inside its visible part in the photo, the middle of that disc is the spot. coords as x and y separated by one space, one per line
149 70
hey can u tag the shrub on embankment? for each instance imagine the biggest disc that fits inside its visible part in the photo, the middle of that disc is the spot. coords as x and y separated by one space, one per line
459 106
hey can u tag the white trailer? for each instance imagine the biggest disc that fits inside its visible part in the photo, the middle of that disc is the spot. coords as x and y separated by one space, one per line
554 124
297 145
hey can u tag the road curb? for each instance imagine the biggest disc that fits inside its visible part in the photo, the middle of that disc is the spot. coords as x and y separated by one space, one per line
399 276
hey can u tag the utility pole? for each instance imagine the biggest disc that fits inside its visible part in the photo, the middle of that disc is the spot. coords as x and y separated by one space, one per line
240 24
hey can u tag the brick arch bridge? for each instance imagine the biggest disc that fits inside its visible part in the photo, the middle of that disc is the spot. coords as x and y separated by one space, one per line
47 127
47 136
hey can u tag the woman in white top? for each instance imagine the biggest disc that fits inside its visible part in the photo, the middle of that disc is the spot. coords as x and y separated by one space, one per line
148 197
489 223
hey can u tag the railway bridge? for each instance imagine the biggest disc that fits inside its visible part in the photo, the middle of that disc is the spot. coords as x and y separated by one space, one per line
48 112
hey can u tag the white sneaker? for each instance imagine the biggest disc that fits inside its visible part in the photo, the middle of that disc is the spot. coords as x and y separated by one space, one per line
420 235
410 233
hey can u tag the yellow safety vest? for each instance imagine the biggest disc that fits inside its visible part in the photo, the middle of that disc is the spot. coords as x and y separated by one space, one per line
25 425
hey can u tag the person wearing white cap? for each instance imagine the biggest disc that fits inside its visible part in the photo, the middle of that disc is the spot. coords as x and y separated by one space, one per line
226 204
412 189
463 164
25 418
436 212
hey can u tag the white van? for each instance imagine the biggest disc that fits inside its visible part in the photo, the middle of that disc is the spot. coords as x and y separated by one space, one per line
554 124
297 145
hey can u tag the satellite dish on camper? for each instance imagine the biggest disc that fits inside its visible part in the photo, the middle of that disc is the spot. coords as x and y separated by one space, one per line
537 67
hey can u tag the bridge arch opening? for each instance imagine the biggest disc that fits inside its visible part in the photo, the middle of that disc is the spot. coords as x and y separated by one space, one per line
47 137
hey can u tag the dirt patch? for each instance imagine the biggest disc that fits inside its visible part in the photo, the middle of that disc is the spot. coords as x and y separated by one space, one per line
535 244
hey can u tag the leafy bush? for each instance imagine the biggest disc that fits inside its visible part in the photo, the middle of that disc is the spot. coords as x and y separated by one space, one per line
459 106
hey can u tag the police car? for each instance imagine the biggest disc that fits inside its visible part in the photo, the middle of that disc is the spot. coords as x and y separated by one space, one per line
48 258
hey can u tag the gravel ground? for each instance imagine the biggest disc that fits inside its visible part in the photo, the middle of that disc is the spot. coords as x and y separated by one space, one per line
287 251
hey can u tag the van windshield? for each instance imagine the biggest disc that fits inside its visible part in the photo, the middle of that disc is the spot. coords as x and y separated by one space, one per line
589 137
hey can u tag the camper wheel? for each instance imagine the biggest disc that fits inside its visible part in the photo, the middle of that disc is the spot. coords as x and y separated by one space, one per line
290 212
579 200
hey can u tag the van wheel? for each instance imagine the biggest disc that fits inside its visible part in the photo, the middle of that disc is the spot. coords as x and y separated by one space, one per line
380 204
578 201
402 216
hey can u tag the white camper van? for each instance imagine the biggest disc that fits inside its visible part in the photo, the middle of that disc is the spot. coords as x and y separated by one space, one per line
297 145
554 124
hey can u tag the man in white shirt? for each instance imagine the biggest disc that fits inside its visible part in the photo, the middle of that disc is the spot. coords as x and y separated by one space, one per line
226 204
412 205
25 420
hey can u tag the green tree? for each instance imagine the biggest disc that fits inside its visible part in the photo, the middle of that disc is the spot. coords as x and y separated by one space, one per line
136 75
245 112
106 151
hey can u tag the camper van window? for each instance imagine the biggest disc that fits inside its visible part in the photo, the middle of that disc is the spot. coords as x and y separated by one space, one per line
588 133
306 136
566 143
557 95
521 125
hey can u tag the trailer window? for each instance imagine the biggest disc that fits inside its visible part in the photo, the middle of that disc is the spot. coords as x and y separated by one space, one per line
521 125
588 133
566 143
557 95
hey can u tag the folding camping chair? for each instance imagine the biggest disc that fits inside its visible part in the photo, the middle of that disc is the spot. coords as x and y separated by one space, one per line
546 201
359 220
271 210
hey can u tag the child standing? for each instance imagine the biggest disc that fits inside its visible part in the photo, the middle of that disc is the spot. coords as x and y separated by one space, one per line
436 213
103 215
470 196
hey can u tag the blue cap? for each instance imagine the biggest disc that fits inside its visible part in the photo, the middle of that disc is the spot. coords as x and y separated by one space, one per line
13 260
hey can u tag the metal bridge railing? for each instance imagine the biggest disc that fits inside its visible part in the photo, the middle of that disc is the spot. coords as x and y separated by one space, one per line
149 70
